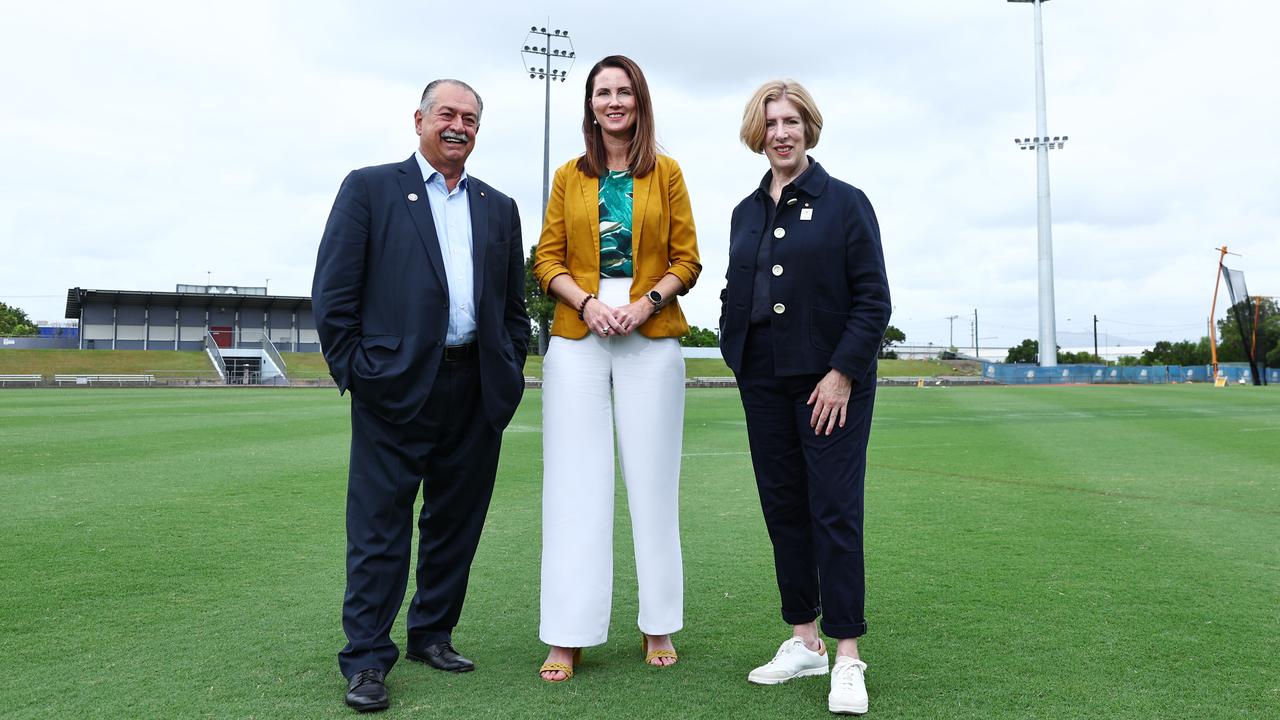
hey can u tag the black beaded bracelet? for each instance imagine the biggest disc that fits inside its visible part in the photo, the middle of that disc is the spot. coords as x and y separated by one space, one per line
582 306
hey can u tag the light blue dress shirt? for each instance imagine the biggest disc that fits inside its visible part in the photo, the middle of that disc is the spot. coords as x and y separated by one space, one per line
452 215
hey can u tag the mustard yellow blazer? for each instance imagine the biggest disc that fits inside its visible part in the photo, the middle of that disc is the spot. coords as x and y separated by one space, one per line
663 241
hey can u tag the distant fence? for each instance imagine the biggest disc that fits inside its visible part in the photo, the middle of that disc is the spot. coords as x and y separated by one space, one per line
35 342
1020 374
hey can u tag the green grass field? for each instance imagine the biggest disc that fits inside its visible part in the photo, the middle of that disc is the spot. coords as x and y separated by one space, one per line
310 366
1037 552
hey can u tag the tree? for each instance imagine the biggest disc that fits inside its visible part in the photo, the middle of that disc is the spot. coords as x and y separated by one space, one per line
14 322
1024 352
541 308
892 335
1231 347
1084 357
1183 352
700 337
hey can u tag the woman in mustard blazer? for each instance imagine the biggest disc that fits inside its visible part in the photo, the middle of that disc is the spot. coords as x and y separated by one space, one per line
617 246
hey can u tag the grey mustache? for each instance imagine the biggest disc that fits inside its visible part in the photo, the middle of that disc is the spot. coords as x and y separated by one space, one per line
450 135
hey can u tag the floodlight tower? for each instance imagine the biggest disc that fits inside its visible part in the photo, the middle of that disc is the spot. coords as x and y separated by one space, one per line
541 49
1042 144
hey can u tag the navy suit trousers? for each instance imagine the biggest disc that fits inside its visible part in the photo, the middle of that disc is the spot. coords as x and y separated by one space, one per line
810 490
451 451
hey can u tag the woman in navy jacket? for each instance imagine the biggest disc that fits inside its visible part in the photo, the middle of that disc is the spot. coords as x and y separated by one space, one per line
802 317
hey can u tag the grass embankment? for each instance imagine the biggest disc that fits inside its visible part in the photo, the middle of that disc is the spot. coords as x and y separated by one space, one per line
309 366
167 363
1032 552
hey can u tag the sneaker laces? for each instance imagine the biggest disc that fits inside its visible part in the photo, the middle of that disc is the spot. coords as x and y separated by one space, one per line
842 675
787 648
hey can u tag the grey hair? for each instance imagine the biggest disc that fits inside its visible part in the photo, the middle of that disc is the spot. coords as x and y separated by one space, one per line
429 96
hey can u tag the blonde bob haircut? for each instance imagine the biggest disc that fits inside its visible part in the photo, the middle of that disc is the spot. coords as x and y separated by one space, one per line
753 122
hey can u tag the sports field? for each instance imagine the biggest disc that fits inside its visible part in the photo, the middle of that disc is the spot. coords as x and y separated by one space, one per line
1034 552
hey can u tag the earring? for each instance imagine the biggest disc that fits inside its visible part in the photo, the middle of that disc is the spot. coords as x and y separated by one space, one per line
594 121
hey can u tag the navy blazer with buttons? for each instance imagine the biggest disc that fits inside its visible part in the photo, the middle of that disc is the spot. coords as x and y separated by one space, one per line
828 291
381 296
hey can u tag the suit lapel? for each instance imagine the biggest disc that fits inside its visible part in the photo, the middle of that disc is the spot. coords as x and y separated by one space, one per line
640 188
479 207
591 202
420 210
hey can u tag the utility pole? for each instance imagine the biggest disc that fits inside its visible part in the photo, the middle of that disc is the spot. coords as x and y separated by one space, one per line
951 333
975 334
1042 144
1095 337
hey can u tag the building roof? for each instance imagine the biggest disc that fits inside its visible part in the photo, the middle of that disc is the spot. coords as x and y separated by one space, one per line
78 297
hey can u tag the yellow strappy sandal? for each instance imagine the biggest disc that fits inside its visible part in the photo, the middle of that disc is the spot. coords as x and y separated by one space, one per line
566 669
651 655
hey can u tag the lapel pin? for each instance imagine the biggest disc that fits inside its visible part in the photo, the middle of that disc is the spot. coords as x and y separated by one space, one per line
806 214
413 197
481 193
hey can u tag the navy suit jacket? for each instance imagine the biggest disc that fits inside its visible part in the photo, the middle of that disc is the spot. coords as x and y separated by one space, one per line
827 281
381 297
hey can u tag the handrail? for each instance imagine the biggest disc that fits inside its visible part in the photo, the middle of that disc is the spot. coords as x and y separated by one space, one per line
215 356
270 349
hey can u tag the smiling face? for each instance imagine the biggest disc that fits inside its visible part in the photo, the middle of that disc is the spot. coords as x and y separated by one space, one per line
613 102
784 142
447 132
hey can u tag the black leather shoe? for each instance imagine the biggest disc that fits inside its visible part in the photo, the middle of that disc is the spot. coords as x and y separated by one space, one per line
366 691
441 656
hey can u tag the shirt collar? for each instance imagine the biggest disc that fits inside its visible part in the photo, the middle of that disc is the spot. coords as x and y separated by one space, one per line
811 182
429 173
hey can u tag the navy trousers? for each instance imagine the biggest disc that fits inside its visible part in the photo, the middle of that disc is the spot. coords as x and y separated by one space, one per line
810 490
451 451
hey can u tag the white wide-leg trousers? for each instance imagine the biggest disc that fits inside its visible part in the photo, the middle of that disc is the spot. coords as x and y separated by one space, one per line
589 387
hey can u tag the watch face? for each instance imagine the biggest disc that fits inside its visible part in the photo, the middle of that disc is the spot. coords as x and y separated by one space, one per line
655 297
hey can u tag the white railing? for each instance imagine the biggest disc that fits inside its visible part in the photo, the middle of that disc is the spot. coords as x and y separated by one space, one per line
215 356
269 348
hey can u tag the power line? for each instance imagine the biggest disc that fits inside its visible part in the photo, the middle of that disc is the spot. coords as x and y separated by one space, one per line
1152 325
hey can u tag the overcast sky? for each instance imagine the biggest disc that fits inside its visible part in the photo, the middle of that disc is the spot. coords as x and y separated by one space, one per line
146 144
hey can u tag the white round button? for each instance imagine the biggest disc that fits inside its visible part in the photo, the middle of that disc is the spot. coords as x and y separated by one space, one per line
777 270
779 308
779 233
413 197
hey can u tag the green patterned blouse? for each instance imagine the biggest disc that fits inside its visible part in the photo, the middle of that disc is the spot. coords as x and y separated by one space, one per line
615 224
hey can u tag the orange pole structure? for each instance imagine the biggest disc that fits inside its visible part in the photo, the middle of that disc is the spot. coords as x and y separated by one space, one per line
1257 312
1213 307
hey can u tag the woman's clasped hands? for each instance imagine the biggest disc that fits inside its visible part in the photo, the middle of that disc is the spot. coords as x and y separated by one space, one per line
605 320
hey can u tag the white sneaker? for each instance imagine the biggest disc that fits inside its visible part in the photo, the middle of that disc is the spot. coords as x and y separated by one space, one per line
793 660
848 687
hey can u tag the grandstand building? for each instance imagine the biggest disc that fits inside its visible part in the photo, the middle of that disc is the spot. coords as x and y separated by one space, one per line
227 316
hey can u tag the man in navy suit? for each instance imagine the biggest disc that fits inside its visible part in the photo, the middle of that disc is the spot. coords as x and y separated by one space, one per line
419 303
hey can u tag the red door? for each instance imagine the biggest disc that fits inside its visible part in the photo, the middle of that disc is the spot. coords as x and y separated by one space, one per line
221 335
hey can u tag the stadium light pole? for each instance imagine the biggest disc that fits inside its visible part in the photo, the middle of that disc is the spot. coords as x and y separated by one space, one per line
951 332
541 49
1043 143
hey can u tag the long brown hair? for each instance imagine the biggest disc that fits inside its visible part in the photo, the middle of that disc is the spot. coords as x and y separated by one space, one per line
643 153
